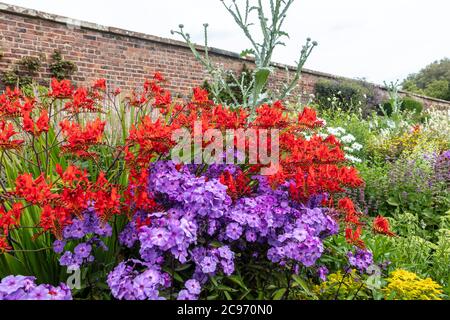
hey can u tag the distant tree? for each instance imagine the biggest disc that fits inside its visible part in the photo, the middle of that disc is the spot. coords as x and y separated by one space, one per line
433 80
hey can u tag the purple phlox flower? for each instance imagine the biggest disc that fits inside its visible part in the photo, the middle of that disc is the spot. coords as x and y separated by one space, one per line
234 231
83 250
361 259
322 272
193 286
185 295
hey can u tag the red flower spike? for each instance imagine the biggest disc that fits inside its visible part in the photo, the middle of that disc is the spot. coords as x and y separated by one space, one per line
4 245
237 186
308 118
271 116
152 138
82 101
10 218
54 219
60 89
200 97
41 125
35 191
79 139
158 77
100 84
6 132
381 226
354 237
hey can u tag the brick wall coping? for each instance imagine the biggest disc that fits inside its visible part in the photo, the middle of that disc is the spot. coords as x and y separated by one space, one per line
8 8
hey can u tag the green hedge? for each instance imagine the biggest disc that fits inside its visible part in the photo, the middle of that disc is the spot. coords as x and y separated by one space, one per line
346 94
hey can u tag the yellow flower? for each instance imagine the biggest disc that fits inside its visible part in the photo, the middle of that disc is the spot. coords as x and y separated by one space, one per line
343 285
405 285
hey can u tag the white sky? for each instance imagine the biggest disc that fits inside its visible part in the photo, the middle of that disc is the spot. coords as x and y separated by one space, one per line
373 39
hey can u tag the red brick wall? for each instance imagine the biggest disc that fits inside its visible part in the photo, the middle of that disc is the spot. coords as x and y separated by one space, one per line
124 58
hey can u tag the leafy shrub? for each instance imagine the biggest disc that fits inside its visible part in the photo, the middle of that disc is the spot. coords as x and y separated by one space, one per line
22 74
31 64
345 94
407 104
60 68
411 184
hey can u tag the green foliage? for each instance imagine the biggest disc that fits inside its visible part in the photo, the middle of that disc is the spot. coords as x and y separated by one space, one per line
22 74
346 95
433 80
12 78
407 104
344 286
31 64
246 76
60 68
403 183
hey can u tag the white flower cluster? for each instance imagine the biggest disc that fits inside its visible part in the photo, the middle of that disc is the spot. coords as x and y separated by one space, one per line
349 142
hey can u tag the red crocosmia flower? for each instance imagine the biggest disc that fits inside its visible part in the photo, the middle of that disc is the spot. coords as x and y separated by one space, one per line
200 96
381 225
79 139
152 138
271 116
117 91
82 101
42 123
4 245
6 132
158 77
10 218
225 118
100 84
136 194
347 205
60 89
54 219
308 118
107 198
72 175
13 104
35 191
164 99
237 186
354 237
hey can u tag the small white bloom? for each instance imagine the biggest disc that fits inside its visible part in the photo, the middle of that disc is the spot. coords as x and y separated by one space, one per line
391 124
333 131
342 130
348 149
348 138
352 158
356 146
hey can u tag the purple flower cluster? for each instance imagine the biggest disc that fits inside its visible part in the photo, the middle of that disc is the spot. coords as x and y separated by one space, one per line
200 224
127 282
442 168
209 261
361 259
293 234
191 292
322 272
88 226
25 288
